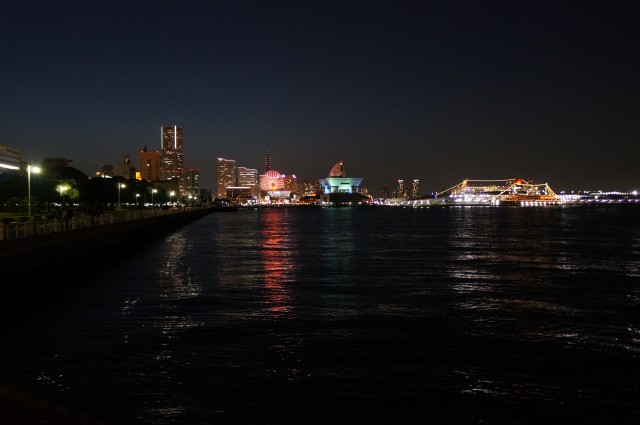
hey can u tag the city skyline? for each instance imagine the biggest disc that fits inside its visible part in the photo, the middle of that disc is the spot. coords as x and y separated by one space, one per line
407 90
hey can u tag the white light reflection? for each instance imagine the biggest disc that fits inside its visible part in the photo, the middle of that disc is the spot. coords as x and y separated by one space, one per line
175 280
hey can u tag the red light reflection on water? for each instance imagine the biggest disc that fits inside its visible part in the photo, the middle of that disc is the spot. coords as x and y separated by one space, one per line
277 248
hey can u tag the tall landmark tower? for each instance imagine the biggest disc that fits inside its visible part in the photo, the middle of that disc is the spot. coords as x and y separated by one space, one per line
171 158
267 162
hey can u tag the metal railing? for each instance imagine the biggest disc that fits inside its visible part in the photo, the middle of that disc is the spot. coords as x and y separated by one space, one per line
21 229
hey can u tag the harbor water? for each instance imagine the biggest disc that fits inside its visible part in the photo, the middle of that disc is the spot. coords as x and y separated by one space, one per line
492 315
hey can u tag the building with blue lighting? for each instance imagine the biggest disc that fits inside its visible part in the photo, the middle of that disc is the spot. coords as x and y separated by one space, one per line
338 189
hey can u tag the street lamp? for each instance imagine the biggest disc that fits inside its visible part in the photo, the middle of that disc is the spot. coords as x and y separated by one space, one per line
62 189
120 185
152 192
36 170
137 196
170 195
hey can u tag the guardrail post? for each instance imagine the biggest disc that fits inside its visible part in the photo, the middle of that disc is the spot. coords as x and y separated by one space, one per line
29 228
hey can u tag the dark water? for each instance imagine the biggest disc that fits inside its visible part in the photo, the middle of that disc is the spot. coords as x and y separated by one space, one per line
273 316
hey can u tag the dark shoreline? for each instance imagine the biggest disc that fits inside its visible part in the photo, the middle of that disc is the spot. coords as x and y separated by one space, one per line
23 402
36 267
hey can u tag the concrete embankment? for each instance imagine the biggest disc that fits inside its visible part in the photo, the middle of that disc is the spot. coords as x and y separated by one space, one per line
33 267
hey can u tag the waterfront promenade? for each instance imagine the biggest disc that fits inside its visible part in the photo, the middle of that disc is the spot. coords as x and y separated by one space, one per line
43 257
13 229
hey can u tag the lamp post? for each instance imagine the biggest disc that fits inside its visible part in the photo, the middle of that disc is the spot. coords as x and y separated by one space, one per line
120 185
62 189
137 196
36 170
170 195
152 192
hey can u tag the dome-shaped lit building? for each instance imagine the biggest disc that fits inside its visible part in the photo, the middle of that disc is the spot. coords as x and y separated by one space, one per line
338 189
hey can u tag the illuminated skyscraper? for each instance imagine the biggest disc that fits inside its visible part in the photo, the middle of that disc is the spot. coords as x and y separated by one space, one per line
399 192
415 189
267 162
248 177
171 158
149 165
192 182
226 176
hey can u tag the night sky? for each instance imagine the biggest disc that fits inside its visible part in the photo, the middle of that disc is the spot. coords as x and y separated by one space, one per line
435 90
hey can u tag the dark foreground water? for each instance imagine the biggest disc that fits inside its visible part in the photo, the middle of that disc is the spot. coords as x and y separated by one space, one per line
303 315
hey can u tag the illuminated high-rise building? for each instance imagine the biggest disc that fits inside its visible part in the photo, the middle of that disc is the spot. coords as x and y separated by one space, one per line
226 176
191 182
415 189
171 158
399 192
290 183
248 177
149 166
9 160
267 162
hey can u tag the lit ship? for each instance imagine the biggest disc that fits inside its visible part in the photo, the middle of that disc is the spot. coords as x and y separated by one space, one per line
517 192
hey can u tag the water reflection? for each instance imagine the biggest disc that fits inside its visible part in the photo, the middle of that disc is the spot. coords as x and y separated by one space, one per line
279 259
490 254
175 277
174 283
340 253
278 245
157 325
471 260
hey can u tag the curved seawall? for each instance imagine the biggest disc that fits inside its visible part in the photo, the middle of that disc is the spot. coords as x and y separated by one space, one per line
41 265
